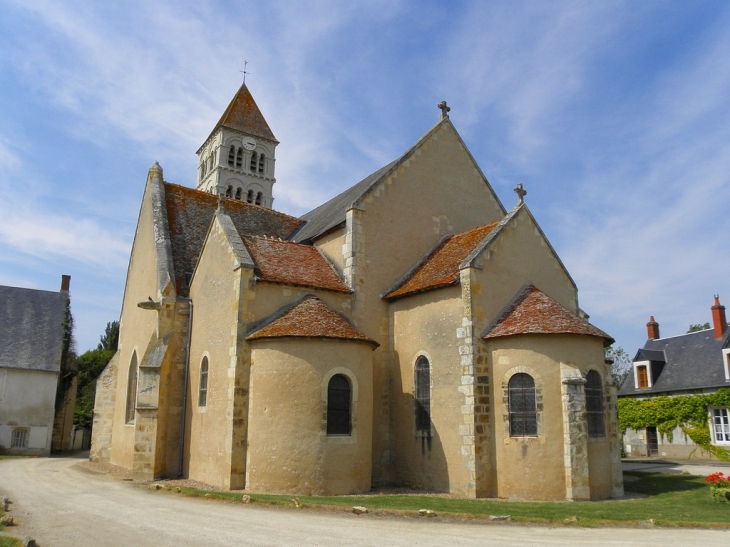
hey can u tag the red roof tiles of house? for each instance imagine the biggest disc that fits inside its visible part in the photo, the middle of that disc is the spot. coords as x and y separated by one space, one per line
310 318
534 312
440 268
290 263
243 114
189 214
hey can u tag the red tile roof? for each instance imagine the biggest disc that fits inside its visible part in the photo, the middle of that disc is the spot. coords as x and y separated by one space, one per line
290 263
310 318
440 268
534 312
244 115
189 214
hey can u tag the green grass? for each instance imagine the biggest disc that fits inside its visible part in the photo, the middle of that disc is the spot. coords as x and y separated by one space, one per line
7 541
673 500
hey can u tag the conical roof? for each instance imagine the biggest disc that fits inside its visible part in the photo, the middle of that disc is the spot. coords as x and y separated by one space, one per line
244 115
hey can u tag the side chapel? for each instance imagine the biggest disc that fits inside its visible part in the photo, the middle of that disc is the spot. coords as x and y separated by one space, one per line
410 331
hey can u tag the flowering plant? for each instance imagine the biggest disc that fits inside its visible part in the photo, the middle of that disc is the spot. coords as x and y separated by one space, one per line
719 487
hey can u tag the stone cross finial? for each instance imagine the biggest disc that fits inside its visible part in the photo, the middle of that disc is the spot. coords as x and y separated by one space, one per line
521 192
444 109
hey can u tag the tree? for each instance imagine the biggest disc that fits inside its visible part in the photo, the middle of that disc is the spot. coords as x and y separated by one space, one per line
621 365
698 327
90 366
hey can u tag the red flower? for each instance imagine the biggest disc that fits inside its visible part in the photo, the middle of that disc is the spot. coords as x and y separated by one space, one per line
719 479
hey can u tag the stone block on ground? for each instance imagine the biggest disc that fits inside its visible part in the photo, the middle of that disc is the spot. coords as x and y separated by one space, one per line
6 520
245 498
426 513
500 517
359 510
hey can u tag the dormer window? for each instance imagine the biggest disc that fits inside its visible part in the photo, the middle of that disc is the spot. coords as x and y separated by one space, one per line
726 363
239 158
642 374
254 161
231 155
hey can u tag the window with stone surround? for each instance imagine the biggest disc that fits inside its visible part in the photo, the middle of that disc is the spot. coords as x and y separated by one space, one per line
203 389
249 196
339 403
422 395
522 406
238 193
231 155
642 377
261 164
594 405
239 158
720 425
258 198
19 438
254 162
131 389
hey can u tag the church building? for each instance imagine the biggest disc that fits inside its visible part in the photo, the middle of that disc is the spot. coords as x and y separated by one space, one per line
410 331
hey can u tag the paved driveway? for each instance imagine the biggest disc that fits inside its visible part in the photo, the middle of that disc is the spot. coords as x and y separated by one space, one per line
62 505
665 466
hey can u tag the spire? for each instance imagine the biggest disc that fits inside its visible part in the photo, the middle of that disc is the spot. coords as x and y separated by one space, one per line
244 115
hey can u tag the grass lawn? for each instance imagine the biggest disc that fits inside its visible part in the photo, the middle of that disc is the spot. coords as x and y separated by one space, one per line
673 500
6 541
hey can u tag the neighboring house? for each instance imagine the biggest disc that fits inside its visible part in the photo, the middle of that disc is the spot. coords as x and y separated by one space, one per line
37 388
409 331
696 362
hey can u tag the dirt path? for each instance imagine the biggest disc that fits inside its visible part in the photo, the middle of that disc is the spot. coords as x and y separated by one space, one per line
62 505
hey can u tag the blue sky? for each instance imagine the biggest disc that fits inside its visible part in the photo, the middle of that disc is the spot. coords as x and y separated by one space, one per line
614 115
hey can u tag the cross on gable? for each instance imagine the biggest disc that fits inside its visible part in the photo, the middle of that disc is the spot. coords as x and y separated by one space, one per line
521 192
444 109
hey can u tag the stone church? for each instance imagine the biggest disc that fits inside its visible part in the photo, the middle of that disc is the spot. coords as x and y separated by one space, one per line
411 331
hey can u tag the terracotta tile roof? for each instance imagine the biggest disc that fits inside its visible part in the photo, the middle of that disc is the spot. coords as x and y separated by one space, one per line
244 115
440 268
189 214
290 263
534 312
309 318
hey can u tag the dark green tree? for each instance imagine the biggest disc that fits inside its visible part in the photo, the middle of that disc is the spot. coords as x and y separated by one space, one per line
621 365
698 327
90 365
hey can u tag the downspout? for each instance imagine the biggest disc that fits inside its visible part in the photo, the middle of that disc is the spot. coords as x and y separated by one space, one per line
185 387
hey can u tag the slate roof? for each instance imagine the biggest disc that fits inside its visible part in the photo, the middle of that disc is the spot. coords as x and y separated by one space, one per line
308 317
534 312
691 361
31 328
242 114
332 213
440 267
279 261
189 214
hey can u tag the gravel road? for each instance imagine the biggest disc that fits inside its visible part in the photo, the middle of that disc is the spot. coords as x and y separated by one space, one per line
61 504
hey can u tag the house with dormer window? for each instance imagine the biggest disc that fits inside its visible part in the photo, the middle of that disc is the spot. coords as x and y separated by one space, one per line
691 363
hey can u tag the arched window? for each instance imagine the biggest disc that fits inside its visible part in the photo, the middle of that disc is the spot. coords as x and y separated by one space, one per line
238 193
131 389
239 158
231 155
203 389
249 196
254 161
261 163
258 198
423 394
339 400
522 406
594 405
229 192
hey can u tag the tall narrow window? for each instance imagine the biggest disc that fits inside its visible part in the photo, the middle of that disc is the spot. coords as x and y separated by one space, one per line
249 196
339 400
254 161
522 406
423 394
261 164
594 405
132 389
258 198
239 158
231 155
229 192
721 425
642 376
203 390
238 193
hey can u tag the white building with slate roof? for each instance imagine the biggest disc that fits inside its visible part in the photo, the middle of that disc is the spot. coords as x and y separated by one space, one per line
692 363
32 328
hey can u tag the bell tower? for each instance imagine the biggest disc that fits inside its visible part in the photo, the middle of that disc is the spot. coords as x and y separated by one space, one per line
238 158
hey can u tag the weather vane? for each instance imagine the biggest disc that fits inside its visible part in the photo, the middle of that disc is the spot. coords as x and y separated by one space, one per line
244 71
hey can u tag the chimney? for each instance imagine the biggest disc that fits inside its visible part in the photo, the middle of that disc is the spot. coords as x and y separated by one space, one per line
66 282
652 329
718 318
